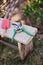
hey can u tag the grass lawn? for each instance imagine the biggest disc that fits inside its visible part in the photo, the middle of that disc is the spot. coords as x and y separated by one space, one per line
9 56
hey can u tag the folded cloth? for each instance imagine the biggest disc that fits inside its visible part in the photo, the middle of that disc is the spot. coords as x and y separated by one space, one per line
5 24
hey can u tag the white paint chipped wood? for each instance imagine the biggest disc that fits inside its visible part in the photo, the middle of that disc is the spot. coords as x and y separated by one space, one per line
20 37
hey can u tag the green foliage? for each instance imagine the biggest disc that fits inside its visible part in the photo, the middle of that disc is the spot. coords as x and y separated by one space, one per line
35 10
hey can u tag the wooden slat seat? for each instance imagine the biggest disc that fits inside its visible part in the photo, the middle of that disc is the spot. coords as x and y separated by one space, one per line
21 37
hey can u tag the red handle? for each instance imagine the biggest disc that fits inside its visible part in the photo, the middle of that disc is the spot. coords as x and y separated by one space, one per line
5 24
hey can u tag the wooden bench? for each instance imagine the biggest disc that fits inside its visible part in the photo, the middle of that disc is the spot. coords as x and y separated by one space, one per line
25 43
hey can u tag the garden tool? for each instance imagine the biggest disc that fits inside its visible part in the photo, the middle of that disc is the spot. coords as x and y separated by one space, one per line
5 26
18 28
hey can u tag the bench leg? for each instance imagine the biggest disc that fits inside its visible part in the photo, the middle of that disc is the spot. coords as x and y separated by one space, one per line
21 48
24 49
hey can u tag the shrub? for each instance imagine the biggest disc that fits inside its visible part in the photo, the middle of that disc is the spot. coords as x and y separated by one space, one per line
34 10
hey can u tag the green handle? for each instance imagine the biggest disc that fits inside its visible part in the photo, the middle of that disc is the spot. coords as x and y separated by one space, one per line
14 34
24 30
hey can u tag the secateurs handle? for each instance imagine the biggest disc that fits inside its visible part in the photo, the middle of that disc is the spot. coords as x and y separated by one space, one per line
14 34
24 30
